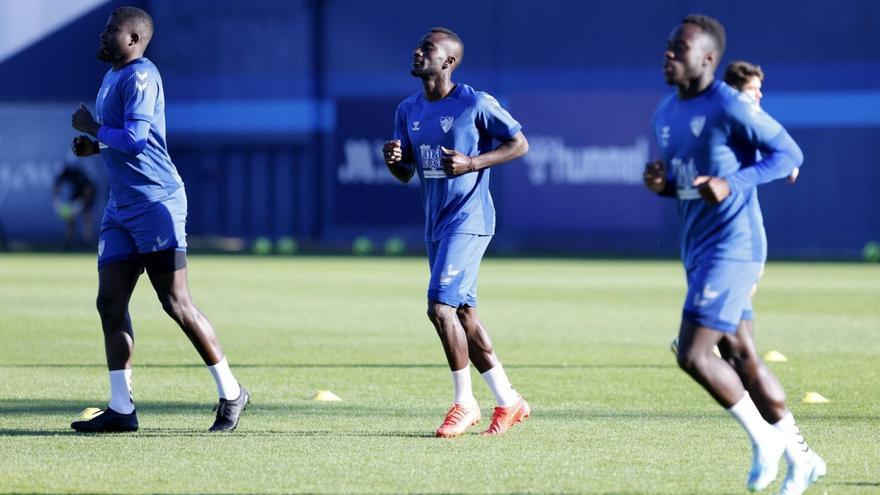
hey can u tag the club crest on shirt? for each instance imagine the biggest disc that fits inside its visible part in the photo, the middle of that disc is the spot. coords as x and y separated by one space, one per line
697 124
446 123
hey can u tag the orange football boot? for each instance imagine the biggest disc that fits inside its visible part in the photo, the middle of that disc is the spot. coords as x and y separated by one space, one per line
458 419
505 417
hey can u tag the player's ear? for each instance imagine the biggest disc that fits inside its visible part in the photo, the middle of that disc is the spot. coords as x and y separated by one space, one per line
134 38
450 62
711 58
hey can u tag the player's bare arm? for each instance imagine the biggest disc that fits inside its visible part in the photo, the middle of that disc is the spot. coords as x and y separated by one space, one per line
399 163
456 163
712 189
655 176
83 121
82 145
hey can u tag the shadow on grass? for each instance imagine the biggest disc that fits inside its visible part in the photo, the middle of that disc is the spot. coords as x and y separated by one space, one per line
353 365
351 409
179 433
854 483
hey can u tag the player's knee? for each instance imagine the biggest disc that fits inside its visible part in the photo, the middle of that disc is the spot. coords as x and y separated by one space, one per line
110 306
175 307
439 311
690 361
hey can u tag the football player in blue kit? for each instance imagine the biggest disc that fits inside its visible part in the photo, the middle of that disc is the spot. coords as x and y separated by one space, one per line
708 134
143 224
746 78
445 135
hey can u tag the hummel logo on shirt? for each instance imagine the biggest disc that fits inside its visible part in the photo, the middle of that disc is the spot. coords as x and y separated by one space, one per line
142 76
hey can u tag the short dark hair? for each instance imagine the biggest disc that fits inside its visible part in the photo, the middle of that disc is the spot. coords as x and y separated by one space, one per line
140 17
738 73
451 34
712 27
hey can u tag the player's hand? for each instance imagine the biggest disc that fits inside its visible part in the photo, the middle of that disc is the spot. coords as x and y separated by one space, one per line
794 175
713 189
392 152
655 176
84 146
82 120
455 163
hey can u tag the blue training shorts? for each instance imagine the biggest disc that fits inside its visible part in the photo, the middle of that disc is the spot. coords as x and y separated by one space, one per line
148 227
719 294
455 264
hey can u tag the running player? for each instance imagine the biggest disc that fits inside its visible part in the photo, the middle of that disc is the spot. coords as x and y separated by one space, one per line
747 79
708 134
445 133
143 224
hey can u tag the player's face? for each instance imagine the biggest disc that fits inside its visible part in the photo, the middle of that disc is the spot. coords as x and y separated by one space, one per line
429 56
753 88
686 53
114 41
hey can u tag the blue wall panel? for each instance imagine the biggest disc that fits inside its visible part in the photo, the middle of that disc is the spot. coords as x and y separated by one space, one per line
277 110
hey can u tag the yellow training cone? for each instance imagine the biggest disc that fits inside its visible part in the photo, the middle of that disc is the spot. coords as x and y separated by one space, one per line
89 413
814 398
775 357
325 395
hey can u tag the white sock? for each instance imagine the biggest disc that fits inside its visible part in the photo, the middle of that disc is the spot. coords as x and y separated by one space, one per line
796 448
227 385
120 391
461 383
504 393
751 420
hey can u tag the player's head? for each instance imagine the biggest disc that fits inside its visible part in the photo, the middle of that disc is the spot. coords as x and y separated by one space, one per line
127 33
694 49
439 51
745 77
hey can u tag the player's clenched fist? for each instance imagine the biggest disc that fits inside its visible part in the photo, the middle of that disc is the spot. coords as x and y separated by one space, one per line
655 176
82 120
392 152
455 163
713 189
83 146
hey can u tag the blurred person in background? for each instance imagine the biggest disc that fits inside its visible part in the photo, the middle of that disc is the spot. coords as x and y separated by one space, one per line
748 78
73 198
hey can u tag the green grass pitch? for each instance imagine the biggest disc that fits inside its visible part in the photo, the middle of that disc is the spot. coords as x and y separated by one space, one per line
586 342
